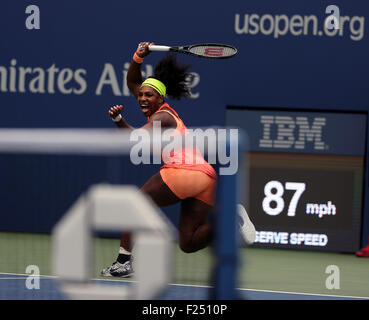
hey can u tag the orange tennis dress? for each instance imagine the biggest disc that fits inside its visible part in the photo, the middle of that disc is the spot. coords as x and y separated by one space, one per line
185 171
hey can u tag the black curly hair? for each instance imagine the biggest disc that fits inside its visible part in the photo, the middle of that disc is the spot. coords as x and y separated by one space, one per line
174 75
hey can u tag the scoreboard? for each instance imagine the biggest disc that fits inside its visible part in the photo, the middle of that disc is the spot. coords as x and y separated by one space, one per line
305 176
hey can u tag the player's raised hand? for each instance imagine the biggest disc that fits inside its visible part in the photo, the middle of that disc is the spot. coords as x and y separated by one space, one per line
143 49
115 111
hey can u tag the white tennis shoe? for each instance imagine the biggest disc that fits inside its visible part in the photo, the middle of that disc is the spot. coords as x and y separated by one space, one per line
247 228
117 269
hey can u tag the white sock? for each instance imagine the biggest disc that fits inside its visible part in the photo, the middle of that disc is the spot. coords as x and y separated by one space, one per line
124 251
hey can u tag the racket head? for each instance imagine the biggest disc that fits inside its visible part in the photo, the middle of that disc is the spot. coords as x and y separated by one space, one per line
212 50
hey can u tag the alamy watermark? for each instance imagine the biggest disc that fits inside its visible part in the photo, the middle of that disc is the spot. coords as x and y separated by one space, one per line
218 145
33 20
333 20
333 280
33 280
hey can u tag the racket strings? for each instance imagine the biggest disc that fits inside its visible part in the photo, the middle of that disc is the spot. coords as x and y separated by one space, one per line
213 51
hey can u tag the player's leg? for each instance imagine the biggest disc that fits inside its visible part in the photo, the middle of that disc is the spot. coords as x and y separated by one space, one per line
197 190
162 196
195 229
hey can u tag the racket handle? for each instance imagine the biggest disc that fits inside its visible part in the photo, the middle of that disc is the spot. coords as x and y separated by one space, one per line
159 48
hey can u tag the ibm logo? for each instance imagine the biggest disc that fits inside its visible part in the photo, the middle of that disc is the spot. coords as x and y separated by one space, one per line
287 136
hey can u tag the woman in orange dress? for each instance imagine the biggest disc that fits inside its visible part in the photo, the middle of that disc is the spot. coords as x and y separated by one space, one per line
192 184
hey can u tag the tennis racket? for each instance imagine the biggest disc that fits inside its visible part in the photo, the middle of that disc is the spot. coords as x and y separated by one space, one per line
206 50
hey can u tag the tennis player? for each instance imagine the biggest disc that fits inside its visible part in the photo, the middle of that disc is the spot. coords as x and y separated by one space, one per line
192 184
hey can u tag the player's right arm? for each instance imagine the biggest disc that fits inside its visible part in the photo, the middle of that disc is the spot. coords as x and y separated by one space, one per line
134 75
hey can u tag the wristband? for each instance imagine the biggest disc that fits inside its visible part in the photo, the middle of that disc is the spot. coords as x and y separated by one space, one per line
117 118
137 58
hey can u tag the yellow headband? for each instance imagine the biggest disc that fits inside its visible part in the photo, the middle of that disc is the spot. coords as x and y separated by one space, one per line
156 85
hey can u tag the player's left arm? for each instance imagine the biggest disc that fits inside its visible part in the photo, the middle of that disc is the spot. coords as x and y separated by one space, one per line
120 122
